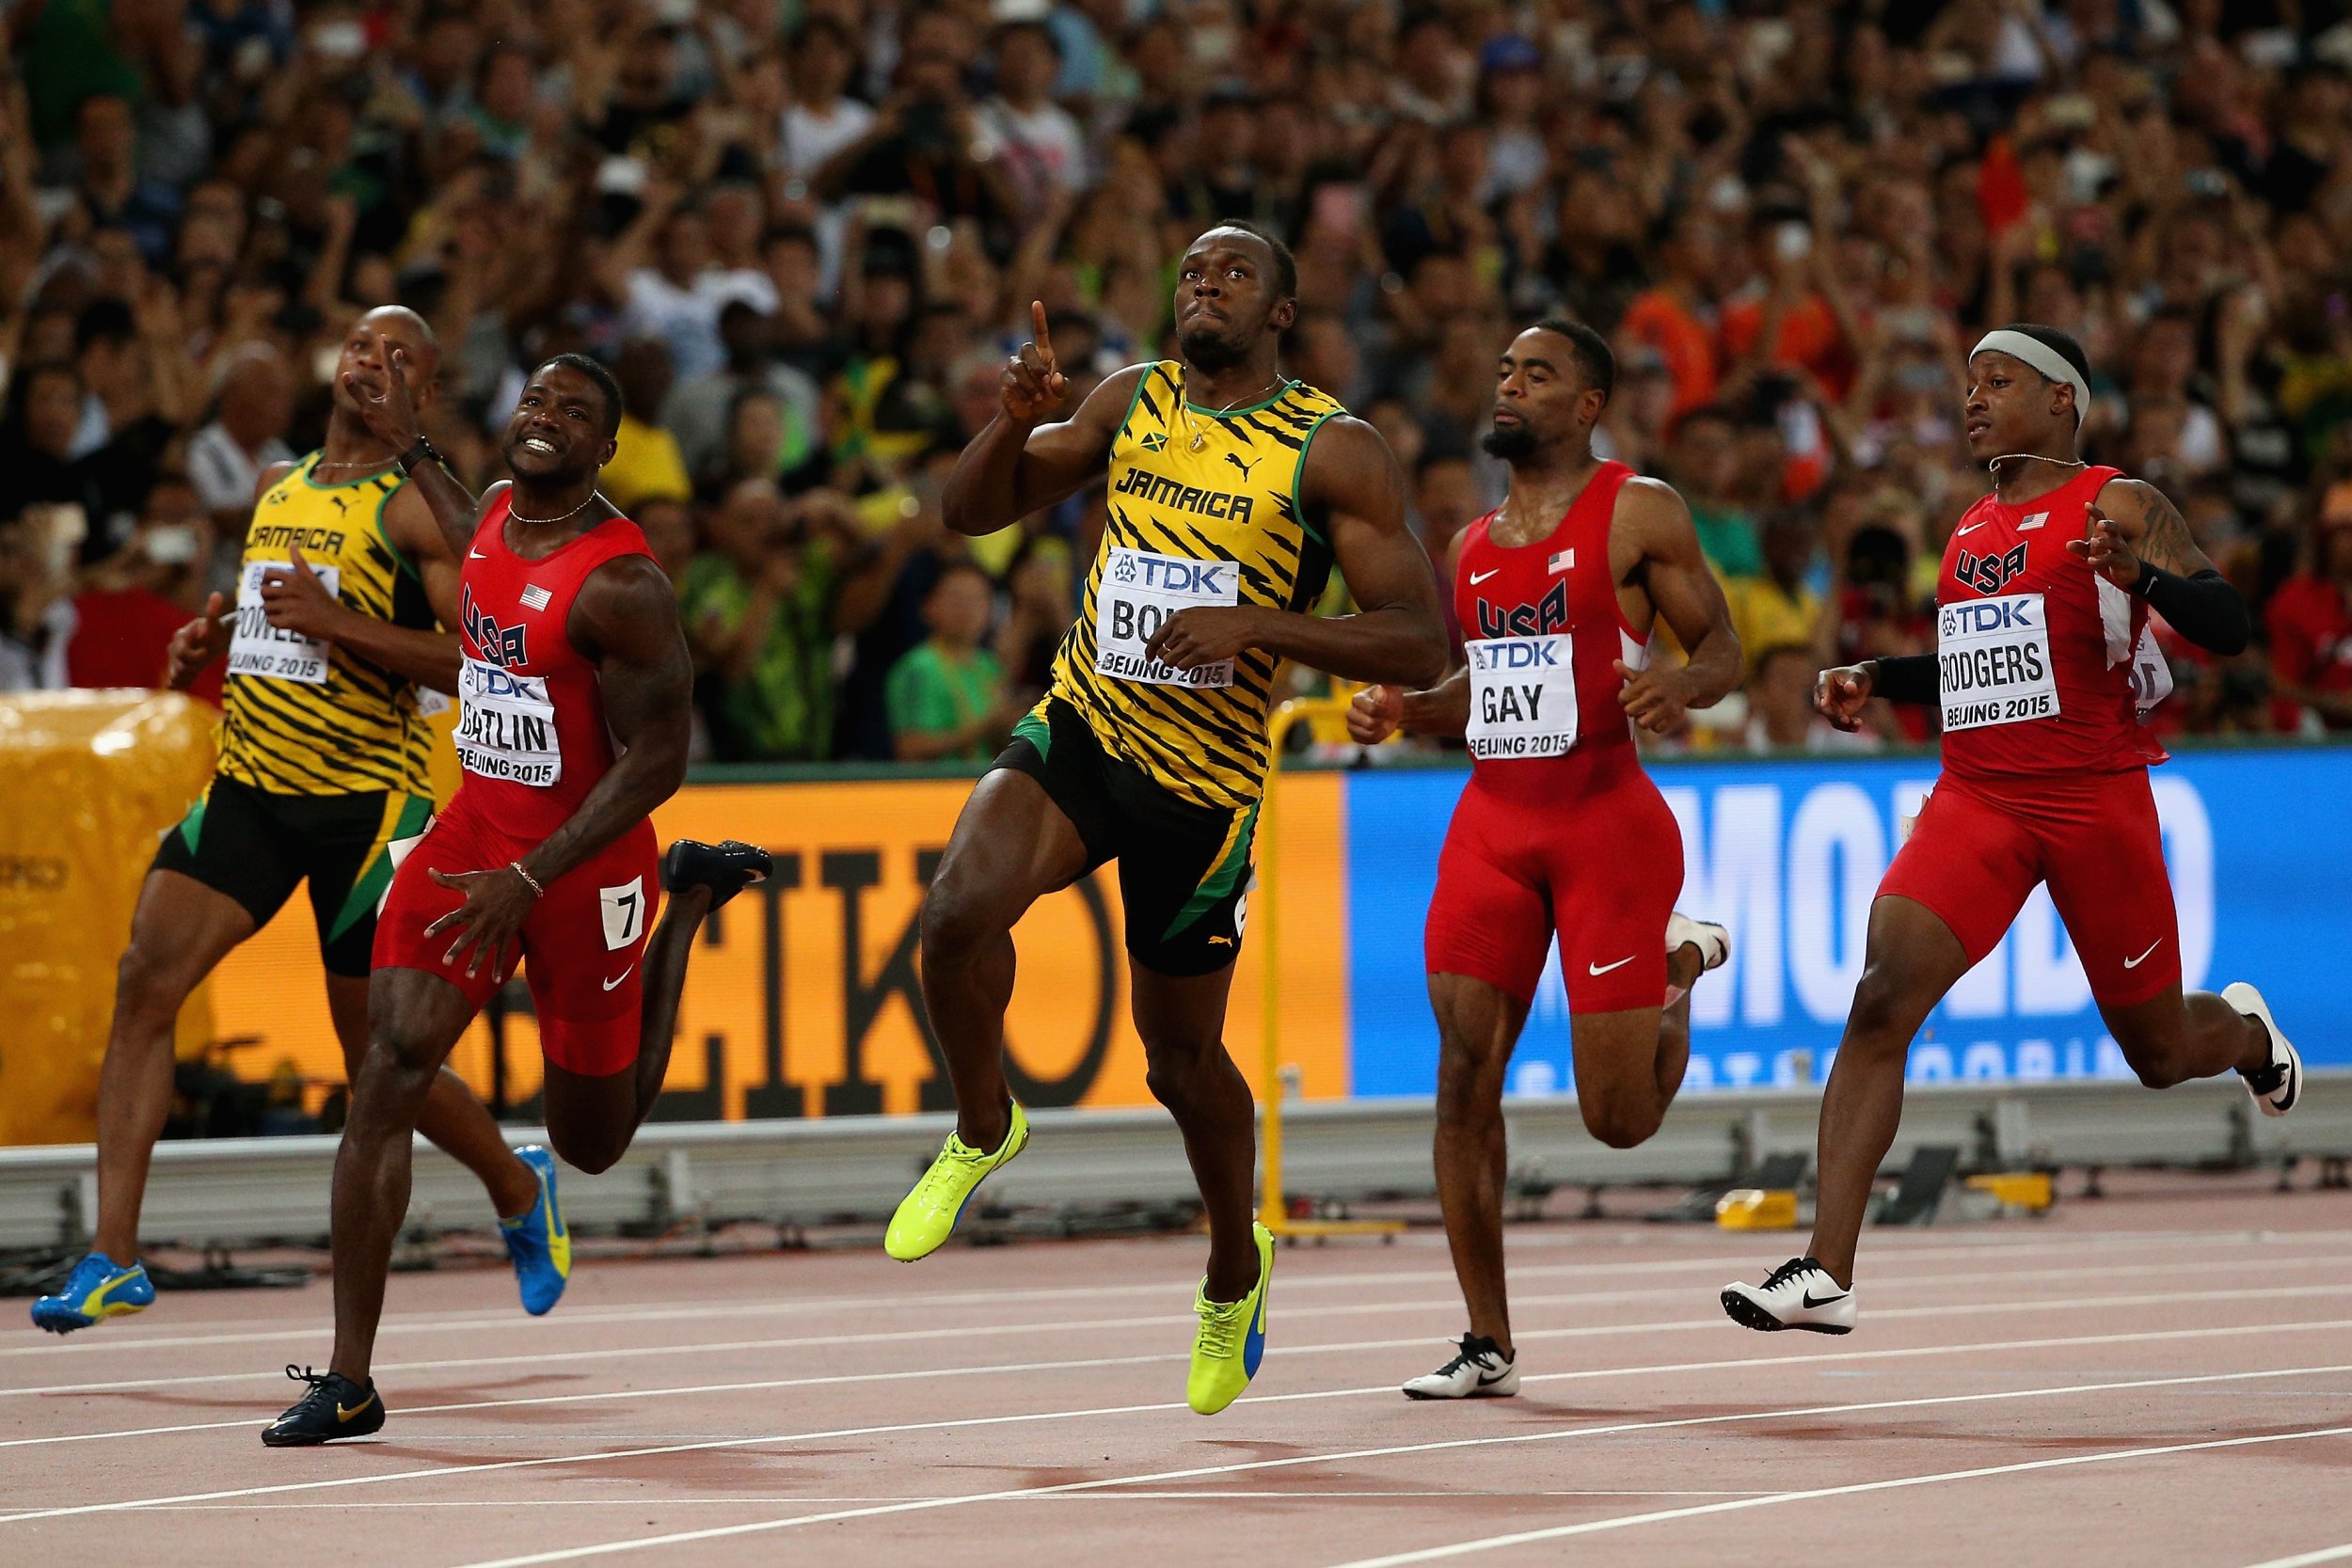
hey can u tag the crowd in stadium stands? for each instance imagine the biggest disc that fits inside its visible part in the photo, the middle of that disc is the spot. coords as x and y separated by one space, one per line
805 236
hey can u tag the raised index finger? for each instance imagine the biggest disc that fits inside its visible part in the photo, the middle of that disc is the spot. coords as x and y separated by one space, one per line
1044 338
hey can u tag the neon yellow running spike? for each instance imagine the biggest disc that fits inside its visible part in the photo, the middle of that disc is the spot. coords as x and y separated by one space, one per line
928 1215
1232 1342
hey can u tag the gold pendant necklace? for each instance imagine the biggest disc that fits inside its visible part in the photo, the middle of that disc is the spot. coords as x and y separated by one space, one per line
1200 441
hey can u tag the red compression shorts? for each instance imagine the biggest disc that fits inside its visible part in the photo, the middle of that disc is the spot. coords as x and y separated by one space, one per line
1980 847
581 945
1603 867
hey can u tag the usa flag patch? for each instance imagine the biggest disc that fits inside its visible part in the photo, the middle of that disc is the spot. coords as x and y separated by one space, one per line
535 598
1561 560
2025 525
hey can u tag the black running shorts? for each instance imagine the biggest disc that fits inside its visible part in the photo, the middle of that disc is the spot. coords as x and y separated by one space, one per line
257 847
1184 869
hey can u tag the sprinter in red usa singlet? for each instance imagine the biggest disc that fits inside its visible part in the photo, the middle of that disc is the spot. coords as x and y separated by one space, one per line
2042 667
576 703
1559 831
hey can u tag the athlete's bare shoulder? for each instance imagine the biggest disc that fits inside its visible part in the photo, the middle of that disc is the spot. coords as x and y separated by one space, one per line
626 605
1350 469
410 524
270 476
1104 409
2155 527
1651 521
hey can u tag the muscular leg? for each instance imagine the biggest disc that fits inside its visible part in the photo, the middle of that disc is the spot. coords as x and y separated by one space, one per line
592 1119
1182 1021
180 932
1911 959
413 1020
1629 1064
2171 1038
452 1120
1011 848
1478 1025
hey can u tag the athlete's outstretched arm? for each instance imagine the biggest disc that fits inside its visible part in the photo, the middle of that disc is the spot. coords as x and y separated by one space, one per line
625 619
2138 541
1398 637
1380 711
389 413
297 600
1020 463
1688 598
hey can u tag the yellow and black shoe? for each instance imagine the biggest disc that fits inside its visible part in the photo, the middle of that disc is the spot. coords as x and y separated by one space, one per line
335 1408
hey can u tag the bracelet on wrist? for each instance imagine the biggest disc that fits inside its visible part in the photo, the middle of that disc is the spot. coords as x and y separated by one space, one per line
407 462
529 880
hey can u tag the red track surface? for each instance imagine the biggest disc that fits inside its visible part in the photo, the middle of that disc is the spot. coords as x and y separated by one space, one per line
2144 1380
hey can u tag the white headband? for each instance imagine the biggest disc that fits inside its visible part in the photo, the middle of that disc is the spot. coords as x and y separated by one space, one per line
2043 358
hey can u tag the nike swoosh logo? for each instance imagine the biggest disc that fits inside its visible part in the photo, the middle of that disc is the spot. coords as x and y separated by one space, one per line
1824 1301
2135 963
1971 527
618 978
343 1415
1477 577
477 555
1486 1382
1603 968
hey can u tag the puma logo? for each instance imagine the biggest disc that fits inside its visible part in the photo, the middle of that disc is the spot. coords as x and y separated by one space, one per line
1244 467
1220 942
341 504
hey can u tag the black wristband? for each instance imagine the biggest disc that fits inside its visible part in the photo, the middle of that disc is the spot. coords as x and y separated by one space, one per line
1911 679
2202 608
407 462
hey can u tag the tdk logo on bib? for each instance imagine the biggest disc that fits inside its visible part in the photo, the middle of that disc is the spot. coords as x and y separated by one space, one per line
1515 655
1199 579
2021 613
495 683
1988 573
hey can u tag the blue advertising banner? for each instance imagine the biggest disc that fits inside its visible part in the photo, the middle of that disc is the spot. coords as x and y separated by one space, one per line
1788 855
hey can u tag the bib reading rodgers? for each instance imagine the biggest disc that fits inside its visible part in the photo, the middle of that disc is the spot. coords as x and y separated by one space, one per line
506 726
1138 593
1522 696
1992 662
273 653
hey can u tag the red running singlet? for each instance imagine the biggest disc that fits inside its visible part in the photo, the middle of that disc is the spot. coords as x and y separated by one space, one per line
531 737
1558 828
2039 657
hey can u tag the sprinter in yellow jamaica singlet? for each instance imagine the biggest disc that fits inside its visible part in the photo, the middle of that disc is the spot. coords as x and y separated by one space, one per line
322 779
1233 494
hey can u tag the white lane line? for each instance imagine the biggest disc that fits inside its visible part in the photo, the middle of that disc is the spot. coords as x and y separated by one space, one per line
1385 1391
2309 1559
767 1499
1290 1314
1023 1493
119 1340
1284 1353
1628 1521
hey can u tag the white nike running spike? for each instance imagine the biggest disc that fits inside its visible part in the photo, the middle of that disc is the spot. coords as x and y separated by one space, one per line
1479 1371
2277 1087
1798 1294
1712 941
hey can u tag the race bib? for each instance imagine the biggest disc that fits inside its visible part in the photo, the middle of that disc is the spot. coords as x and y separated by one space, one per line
1522 696
1139 590
506 726
273 653
1992 662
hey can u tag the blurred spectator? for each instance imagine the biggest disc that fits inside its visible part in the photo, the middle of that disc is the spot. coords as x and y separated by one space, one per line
2310 635
758 615
948 698
1703 462
646 463
809 235
123 620
1781 716
1778 608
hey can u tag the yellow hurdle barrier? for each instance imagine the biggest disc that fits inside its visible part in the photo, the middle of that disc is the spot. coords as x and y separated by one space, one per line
1272 1211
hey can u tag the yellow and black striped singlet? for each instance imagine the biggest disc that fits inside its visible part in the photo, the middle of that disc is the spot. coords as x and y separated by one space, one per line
1221 523
295 719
